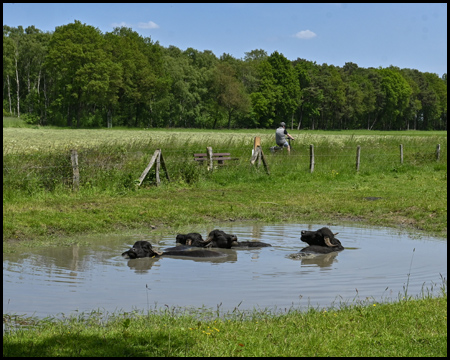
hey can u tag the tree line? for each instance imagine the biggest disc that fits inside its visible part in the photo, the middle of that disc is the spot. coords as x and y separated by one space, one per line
77 76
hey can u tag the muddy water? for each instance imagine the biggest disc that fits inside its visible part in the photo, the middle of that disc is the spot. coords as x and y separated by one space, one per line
378 263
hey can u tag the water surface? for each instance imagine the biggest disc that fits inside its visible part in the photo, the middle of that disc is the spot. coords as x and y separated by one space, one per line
378 264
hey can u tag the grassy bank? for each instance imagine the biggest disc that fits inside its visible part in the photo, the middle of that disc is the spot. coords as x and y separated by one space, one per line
407 328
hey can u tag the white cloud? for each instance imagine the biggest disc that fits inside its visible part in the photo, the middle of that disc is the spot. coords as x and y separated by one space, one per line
305 34
148 25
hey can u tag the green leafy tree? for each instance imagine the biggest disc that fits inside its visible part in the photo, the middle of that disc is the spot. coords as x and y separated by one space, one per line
311 96
396 93
184 98
414 109
230 92
8 69
435 111
333 88
249 69
76 76
354 108
14 47
143 80
265 99
288 87
84 73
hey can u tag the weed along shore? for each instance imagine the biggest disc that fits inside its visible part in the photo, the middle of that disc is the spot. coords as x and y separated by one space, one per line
399 187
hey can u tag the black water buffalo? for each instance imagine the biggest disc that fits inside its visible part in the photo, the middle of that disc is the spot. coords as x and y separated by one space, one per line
142 249
217 238
220 239
193 239
321 241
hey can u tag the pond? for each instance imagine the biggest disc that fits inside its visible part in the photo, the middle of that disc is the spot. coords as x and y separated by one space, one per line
378 264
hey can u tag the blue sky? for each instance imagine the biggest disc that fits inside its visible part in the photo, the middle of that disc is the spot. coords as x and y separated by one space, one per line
371 35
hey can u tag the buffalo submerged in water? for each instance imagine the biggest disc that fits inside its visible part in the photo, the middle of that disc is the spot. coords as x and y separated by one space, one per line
143 249
322 241
217 239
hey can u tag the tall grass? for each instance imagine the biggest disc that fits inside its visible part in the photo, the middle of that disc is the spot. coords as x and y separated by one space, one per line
33 164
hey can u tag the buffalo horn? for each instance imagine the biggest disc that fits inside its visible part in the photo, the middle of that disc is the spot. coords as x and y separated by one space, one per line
327 241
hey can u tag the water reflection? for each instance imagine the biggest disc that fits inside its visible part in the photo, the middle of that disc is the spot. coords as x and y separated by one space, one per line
376 262
323 260
143 265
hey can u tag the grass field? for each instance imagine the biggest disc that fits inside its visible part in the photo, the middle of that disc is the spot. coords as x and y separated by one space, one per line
38 196
407 328
41 209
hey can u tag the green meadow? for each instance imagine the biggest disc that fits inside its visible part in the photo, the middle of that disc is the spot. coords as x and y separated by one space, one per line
41 208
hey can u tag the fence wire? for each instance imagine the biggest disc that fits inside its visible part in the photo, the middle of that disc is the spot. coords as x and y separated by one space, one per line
122 167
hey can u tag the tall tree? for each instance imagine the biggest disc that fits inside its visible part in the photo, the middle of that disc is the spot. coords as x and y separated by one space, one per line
230 92
82 68
311 95
142 76
265 99
333 88
288 87
8 66
396 92
15 46
435 112
35 51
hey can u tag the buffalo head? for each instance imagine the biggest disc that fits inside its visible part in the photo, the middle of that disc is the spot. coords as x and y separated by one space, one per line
191 239
220 239
321 241
141 249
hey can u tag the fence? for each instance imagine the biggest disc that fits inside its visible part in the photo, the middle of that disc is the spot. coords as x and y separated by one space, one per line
123 168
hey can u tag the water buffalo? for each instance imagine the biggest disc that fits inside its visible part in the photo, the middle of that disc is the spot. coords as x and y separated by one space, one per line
193 239
220 239
142 249
321 241
217 238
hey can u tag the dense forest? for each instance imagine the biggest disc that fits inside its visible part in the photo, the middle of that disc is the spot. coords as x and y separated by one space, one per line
77 76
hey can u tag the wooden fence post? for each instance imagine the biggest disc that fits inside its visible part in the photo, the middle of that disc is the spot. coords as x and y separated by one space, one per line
256 143
311 158
259 155
209 156
358 157
401 154
76 171
438 152
158 165
163 164
157 157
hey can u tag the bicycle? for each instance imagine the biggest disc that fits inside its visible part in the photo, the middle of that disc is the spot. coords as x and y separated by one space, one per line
276 148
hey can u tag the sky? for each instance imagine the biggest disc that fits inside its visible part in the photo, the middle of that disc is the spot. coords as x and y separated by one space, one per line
375 35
